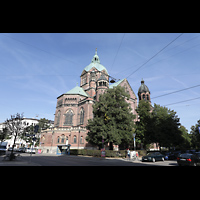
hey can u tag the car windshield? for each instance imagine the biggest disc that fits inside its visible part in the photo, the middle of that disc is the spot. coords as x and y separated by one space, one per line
185 155
151 154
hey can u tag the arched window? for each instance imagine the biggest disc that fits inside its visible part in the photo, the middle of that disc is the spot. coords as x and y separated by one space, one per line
143 96
82 116
147 97
74 139
58 140
81 140
69 118
62 139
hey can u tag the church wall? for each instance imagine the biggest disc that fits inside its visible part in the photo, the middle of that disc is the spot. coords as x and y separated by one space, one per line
133 99
70 106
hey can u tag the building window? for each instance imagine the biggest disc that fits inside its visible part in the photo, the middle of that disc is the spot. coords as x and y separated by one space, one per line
74 139
147 97
58 140
81 140
82 116
143 96
69 118
62 139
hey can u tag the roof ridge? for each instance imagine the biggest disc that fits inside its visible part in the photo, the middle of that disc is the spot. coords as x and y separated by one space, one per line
77 90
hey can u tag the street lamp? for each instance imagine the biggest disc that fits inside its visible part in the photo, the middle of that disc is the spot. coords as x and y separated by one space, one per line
134 134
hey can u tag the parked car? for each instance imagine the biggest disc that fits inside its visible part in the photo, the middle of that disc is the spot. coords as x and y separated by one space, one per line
22 149
189 159
169 156
2 150
186 159
29 150
153 156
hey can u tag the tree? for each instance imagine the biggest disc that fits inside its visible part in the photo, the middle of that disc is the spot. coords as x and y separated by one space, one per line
186 138
15 128
113 119
144 125
3 134
195 135
166 127
159 126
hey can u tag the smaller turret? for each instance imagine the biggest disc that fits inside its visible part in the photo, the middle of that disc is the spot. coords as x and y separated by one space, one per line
143 92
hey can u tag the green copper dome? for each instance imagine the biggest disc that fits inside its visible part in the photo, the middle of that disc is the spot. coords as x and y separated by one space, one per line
95 63
143 88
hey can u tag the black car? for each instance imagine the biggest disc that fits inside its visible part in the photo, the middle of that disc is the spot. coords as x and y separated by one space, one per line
153 156
188 159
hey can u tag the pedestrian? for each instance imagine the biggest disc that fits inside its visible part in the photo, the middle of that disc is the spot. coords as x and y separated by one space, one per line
128 153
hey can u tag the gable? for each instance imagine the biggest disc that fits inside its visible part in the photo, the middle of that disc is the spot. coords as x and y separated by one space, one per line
125 84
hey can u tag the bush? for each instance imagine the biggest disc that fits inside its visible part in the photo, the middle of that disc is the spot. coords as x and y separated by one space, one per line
97 153
109 153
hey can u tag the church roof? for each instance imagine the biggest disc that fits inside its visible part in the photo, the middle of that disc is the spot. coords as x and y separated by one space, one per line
102 77
143 88
116 84
77 90
95 63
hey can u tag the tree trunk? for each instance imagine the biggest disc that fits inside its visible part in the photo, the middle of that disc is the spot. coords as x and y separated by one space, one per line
111 146
11 154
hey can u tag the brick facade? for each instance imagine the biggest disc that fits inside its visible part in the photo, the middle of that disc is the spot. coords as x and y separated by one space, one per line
74 108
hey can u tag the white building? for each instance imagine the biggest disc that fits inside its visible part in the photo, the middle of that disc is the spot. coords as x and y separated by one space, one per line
19 142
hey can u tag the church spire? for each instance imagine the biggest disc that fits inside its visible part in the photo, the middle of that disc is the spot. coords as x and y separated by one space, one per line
96 59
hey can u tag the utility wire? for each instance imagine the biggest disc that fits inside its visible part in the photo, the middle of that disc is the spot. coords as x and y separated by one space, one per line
182 101
175 91
155 55
117 51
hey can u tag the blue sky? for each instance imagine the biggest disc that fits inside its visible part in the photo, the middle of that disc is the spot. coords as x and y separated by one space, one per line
38 67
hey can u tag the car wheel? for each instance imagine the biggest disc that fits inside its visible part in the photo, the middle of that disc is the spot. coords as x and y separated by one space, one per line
153 159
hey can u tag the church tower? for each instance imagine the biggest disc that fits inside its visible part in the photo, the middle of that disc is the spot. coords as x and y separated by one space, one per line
94 75
102 85
143 92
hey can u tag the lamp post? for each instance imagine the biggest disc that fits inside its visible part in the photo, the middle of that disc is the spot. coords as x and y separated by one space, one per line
134 134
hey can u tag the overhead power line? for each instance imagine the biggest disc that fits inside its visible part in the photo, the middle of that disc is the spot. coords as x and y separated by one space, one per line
175 91
182 101
155 55
117 51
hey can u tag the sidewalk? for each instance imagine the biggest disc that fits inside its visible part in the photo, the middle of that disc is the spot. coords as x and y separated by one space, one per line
18 162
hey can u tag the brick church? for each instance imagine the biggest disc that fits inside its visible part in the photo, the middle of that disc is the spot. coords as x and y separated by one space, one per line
74 108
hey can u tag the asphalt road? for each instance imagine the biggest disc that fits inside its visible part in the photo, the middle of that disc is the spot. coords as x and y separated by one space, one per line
55 160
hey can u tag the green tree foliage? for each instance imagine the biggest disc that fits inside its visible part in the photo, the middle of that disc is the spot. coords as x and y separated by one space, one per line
143 125
186 144
166 130
113 119
160 126
195 135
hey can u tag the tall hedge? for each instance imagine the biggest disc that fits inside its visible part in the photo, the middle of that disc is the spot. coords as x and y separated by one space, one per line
109 153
